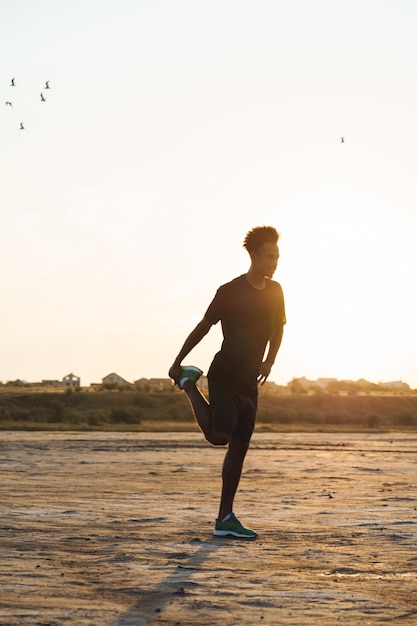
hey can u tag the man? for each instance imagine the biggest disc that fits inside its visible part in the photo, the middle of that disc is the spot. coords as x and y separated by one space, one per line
252 313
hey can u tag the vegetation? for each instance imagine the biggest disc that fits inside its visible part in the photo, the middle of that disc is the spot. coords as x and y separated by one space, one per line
28 409
322 411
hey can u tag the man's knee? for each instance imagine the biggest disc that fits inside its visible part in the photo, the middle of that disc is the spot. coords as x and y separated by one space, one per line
217 439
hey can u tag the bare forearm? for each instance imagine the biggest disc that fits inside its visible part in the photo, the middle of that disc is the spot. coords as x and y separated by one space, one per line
274 346
193 339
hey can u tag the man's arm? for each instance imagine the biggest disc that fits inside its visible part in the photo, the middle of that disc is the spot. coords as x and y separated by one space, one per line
192 340
274 345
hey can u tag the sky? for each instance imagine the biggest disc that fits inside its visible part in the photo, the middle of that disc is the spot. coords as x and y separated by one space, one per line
172 128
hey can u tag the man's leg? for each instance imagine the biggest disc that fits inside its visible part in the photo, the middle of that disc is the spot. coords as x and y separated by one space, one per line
201 410
232 469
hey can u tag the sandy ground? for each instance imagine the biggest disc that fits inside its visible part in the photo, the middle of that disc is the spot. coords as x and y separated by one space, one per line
116 529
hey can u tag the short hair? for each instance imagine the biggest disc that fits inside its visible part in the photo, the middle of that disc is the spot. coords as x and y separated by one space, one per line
259 235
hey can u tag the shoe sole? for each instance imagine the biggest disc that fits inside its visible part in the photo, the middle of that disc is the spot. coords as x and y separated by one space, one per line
224 533
193 368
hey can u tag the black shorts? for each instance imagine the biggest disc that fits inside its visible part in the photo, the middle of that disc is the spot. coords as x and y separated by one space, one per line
232 413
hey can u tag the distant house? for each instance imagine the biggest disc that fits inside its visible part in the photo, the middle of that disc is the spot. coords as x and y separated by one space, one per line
51 383
153 384
395 384
70 380
115 381
164 384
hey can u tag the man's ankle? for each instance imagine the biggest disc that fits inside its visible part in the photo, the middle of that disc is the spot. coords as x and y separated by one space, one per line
187 384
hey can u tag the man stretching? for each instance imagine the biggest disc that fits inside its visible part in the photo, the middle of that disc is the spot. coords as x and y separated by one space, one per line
252 314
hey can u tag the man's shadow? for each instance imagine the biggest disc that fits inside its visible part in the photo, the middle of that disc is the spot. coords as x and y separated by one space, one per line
151 602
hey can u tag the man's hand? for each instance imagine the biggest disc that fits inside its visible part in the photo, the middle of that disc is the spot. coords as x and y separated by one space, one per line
175 372
192 340
264 372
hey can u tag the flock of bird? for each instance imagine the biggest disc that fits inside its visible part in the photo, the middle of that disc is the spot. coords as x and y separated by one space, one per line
9 103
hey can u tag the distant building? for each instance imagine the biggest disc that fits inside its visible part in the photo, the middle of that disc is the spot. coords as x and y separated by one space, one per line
70 380
153 384
165 384
396 384
115 381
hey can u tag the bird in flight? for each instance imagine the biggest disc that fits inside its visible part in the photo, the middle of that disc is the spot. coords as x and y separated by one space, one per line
9 104
43 99
21 126
342 140
12 83
47 85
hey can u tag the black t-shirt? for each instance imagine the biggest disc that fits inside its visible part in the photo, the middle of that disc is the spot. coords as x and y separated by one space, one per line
249 317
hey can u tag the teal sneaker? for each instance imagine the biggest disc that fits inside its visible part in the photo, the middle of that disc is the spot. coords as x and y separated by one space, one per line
189 372
233 527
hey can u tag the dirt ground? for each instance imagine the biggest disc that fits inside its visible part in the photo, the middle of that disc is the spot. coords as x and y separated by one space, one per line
116 529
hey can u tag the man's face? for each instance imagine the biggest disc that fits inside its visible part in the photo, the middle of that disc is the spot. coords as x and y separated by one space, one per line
265 259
